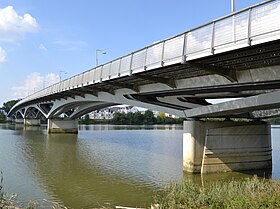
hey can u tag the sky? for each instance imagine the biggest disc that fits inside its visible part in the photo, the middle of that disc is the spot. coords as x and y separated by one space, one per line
43 40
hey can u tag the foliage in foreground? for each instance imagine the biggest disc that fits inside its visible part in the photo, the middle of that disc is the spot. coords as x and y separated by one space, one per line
250 193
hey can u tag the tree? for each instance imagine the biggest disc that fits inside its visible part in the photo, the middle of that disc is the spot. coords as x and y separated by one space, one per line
87 119
7 106
2 117
149 118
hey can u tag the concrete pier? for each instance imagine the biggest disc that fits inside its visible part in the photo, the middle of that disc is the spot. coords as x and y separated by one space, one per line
32 122
62 126
226 146
19 121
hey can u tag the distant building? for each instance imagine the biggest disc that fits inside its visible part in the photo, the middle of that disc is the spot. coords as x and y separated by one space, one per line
108 113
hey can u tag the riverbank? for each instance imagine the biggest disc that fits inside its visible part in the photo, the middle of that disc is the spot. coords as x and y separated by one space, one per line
235 194
248 193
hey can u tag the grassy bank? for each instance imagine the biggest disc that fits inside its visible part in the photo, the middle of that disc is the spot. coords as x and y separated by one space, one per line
250 193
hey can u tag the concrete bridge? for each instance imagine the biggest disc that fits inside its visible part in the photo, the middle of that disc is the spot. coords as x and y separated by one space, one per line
236 56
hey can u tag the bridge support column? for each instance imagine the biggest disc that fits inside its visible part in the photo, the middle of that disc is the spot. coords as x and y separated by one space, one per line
62 126
32 122
226 146
19 121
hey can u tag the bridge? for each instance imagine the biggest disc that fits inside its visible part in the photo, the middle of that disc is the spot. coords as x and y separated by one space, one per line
236 56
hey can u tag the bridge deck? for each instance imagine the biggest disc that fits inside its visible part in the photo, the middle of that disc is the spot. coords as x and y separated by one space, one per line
243 40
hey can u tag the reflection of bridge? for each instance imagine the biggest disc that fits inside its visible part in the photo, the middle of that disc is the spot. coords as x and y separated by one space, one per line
236 56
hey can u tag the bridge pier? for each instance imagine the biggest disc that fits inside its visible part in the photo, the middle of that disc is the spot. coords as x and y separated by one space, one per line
62 126
19 121
226 146
32 122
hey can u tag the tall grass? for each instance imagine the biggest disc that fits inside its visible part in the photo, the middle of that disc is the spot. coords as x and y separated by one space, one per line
249 193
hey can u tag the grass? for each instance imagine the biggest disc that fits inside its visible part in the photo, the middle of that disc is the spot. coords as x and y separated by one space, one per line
249 193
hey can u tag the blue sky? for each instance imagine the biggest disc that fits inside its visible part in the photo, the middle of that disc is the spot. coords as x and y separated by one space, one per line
40 38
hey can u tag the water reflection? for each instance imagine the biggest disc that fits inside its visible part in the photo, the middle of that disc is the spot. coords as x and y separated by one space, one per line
119 167
129 127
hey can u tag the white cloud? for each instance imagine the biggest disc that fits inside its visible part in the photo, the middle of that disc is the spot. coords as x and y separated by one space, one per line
34 82
13 27
3 55
42 47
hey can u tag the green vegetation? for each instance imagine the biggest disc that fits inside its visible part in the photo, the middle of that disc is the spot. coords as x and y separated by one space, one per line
2 117
7 106
249 193
5 109
274 121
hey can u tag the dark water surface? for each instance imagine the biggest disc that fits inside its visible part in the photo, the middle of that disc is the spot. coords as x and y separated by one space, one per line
103 164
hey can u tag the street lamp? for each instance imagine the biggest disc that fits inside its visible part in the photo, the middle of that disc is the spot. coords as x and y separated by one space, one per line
232 5
96 55
61 71
233 21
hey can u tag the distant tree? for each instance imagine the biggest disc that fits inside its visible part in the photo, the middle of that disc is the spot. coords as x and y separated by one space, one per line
138 118
149 118
161 115
119 119
2 117
86 120
7 106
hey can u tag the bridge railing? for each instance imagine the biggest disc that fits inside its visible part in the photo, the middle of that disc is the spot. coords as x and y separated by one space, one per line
250 26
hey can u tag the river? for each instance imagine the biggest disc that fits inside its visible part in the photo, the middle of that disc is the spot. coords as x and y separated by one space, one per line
102 165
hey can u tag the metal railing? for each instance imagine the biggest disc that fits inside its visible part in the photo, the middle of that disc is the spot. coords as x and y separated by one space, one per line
250 26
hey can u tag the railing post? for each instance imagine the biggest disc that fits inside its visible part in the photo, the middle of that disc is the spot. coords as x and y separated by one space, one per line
145 60
110 70
249 27
120 65
162 54
213 39
184 48
130 65
101 72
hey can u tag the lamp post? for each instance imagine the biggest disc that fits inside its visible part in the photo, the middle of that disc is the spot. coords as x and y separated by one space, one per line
96 55
61 71
233 21
232 5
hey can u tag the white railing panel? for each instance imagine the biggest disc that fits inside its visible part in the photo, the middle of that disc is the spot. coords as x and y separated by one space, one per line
173 50
199 41
154 56
86 78
72 82
97 74
125 65
91 77
224 32
265 19
241 27
80 80
106 72
115 69
138 61
231 32
67 85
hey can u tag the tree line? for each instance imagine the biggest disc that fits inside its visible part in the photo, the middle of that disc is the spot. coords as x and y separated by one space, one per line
7 106
136 118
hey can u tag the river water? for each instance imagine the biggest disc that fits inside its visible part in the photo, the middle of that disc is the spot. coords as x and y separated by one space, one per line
102 165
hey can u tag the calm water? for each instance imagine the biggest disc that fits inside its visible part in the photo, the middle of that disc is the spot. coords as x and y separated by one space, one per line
116 165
